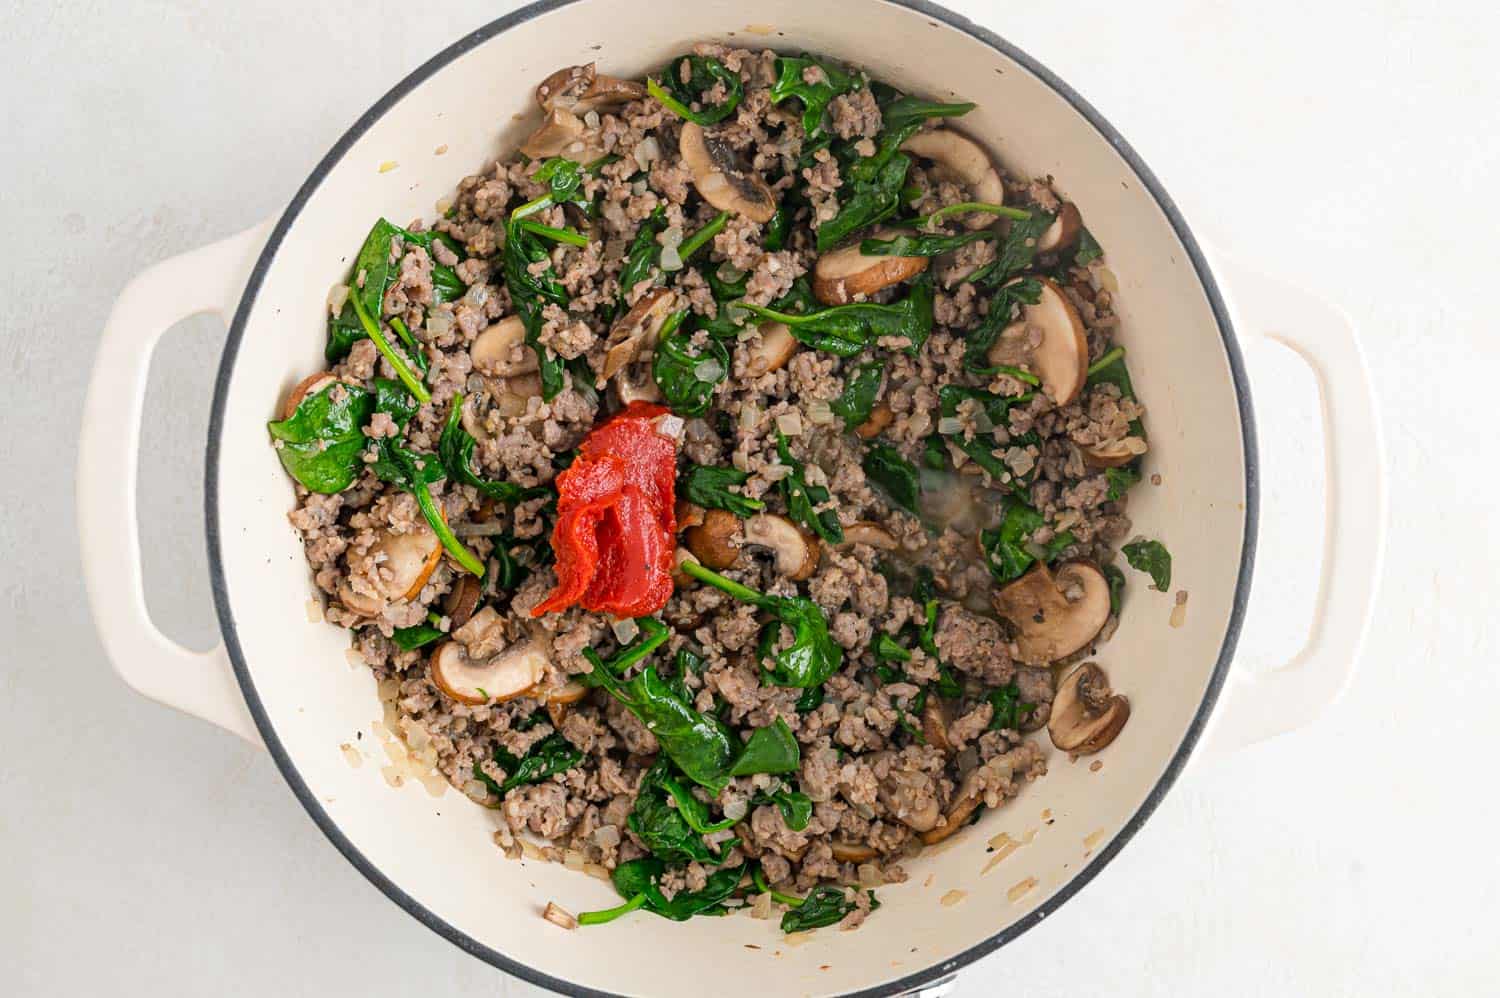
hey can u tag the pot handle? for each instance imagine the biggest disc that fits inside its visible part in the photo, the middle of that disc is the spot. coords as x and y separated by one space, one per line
1293 695
205 280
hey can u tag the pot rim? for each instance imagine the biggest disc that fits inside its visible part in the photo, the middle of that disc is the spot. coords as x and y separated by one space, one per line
505 963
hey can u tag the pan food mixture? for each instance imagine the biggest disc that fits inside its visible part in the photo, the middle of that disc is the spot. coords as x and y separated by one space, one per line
725 487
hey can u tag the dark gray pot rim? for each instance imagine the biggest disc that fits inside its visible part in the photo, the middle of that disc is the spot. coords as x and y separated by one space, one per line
467 943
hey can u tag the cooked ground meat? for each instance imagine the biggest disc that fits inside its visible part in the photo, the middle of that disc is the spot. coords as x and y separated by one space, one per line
905 602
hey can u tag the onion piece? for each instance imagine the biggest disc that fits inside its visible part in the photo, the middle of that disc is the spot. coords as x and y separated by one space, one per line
625 630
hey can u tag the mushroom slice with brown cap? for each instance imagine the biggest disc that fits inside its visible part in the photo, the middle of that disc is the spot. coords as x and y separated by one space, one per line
713 542
909 799
580 89
1115 454
404 562
1087 714
845 275
494 351
852 852
562 133
1063 231
796 553
308 386
960 812
1061 359
718 178
871 533
771 352
636 330
1056 614
463 600
935 721
688 514
510 674
962 159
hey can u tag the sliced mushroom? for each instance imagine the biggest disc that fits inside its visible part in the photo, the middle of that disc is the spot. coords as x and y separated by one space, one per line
463 600
796 553
772 351
562 133
508 675
845 275
1086 715
688 514
513 393
1115 454
1063 231
636 330
558 700
310 385
712 542
909 798
871 533
880 418
405 562
494 351
935 721
634 383
963 160
1052 626
580 89
853 852
961 811
1061 359
718 178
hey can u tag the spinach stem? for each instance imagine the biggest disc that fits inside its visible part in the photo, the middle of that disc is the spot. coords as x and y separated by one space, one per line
1106 360
699 239
455 547
758 877
610 914
1015 372
669 102
705 574
964 207
532 207
372 329
569 236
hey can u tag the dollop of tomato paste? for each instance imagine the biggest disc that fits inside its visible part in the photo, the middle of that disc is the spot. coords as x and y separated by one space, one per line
615 518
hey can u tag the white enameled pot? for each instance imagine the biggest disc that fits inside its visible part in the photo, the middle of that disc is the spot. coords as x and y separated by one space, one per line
280 680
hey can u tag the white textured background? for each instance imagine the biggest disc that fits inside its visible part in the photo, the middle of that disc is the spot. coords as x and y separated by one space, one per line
1352 145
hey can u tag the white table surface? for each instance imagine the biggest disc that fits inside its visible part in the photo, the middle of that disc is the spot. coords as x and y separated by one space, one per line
1352 144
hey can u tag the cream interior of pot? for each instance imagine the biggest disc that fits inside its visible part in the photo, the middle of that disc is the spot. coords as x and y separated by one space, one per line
438 850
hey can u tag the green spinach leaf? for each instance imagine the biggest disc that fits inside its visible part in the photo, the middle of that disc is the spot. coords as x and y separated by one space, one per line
803 500
1005 305
1008 548
846 330
671 822
639 882
772 749
825 905
894 475
1154 559
418 635
1009 710
709 487
553 754
322 443
792 81
861 388
687 374
687 79
456 453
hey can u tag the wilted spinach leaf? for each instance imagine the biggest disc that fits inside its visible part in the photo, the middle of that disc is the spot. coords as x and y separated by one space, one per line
687 374
846 330
456 452
825 905
702 74
671 822
1120 481
1009 710
861 387
791 81
639 882
772 749
322 442
894 475
1008 548
709 487
1152 558
1004 308
803 500
553 754
418 635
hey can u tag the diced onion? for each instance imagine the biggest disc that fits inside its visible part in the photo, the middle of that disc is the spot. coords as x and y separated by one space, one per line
949 425
337 296
438 323
646 152
672 237
775 472
606 836
819 411
670 260
729 273
670 425
749 416
591 118
708 369
625 630
559 916
982 422
736 808
790 423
